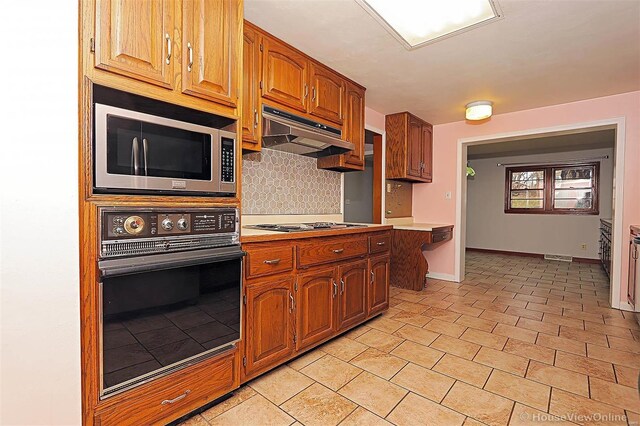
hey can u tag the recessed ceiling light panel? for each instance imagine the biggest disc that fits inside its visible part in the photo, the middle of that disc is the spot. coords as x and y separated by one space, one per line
416 23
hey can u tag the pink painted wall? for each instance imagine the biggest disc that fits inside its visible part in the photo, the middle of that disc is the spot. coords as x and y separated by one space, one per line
373 118
430 205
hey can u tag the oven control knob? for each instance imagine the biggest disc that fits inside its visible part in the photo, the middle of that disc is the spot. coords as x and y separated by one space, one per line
134 225
118 230
183 224
167 224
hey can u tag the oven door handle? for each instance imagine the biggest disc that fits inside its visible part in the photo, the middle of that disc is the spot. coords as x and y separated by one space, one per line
117 267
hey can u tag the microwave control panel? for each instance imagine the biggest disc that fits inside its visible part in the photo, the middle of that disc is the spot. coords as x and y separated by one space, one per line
137 224
227 160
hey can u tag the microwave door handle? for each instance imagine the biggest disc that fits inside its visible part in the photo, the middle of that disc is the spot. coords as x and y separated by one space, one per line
144 154
135 154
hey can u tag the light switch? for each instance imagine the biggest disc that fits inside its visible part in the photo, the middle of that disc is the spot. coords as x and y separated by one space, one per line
388 187
347 201
447 195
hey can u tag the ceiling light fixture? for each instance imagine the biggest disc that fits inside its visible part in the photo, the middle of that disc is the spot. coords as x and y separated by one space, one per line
478 110
416 23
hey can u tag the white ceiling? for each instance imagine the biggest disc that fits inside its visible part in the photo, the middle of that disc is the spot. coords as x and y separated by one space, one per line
541 53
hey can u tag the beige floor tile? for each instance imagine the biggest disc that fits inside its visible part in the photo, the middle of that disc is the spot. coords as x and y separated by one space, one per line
423 382
356 332
531 351
590 367
319 406
621 396
379 363
560 320
417 353
379 340
256 410
499 317
626 375
516 388
445 327
484 339
609 330
586 316
542 327
417 334
539 307
531 299
503 361
416 308
196 420
624 358
344 348
483 406
527 416
362 417
562 344
280 384
468 371
437 304
331 372
472 422
373 393
583 336
477 323
627 345
558 378
306 359
524 313
465 309
385 324
491 306
411 297
416 411
410 318
454 346
513 304
239 396
515 333
569 405
442 314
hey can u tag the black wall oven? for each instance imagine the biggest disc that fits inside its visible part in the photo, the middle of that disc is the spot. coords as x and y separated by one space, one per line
169 292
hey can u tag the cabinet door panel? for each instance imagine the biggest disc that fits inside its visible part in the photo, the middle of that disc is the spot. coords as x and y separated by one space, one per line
352 307
284 75
415 148
355 124
133 38
315 307
250 81
269 323
378 285
209 67
327 93
427 152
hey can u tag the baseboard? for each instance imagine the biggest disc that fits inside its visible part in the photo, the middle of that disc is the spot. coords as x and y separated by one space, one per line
443 277
523 254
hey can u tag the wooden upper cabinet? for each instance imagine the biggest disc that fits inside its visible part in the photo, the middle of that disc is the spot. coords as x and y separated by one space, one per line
409 147
352 305
135 38
209 40
378 294
269 325
251 115
315 317
327 93
284 75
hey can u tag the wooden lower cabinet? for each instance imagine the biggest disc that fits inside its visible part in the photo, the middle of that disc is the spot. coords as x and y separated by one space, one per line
269 330
315 315
352 300
378 299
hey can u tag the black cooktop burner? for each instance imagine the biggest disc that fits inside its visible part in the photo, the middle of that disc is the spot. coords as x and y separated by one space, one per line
300 227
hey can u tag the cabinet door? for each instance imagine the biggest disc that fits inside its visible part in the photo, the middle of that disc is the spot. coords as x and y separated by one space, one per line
352 307
284 74
378 284
269 323
250 80
134 38
427 150
210 37
354 125
327 93
414 147
315 317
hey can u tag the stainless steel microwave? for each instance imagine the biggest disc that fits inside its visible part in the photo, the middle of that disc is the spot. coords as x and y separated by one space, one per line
137 152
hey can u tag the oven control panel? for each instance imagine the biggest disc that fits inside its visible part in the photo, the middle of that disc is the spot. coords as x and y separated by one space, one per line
137 224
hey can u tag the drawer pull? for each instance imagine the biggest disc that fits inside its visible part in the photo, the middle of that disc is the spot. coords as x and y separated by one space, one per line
176 399
272 261
338 251
373 277
380 243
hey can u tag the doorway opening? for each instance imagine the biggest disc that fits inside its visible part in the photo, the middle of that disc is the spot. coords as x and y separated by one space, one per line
362 195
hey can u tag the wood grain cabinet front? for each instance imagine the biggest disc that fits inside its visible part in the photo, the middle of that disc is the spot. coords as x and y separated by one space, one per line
409 148
352 300
251 114
269 261
327 93
330 250
378 295
317 292
284 75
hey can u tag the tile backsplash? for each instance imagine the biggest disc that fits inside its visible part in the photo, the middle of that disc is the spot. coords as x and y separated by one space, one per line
276 182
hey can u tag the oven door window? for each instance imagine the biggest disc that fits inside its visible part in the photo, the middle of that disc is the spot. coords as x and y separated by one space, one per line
138 148
153 321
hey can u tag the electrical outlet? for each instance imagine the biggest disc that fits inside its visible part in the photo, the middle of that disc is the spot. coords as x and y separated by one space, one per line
347 201
583 246
447 195
388 187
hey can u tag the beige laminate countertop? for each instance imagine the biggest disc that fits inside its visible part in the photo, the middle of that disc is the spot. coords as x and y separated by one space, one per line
248 235
427 227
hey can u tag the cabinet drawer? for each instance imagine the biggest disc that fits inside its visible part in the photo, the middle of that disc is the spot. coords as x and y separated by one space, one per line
379 243
173 396
330 251
439 236
269 261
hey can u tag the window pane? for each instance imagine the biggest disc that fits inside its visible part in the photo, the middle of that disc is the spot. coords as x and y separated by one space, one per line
573 183
582 203
572 194
530 175
527 204
585 172
528 184
538 194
